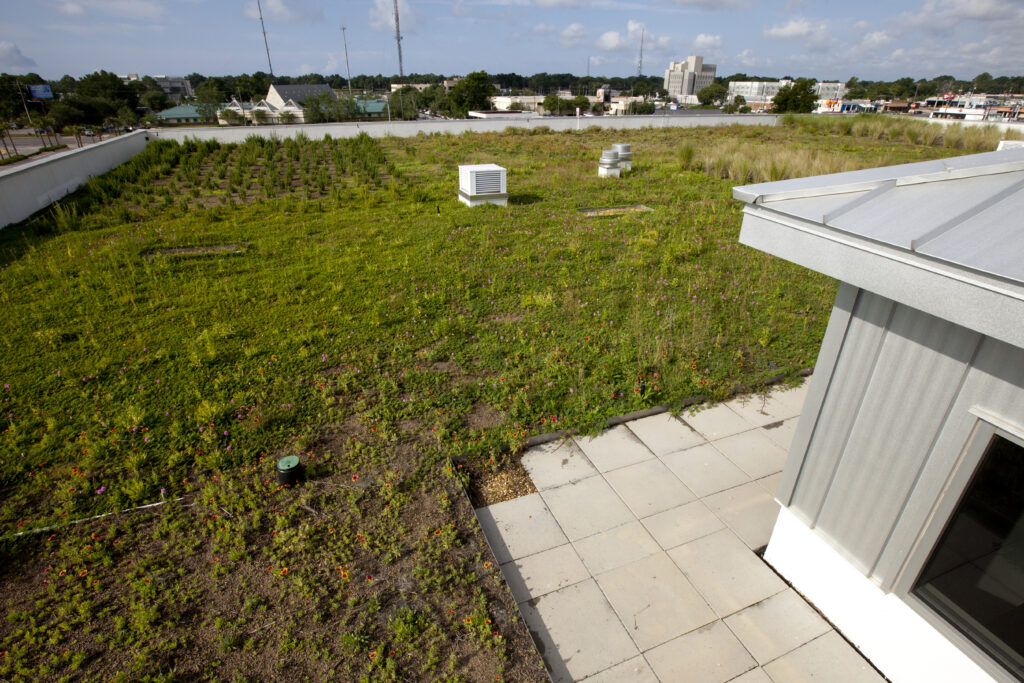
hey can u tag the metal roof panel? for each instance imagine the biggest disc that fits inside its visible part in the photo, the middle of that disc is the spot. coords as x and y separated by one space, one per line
991 241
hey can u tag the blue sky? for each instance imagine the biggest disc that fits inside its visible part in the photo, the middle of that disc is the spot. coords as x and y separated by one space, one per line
825 40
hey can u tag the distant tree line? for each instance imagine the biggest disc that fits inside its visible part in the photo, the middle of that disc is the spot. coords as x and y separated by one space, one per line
102 99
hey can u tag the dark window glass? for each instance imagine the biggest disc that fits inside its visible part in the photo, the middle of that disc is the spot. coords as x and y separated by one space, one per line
974 577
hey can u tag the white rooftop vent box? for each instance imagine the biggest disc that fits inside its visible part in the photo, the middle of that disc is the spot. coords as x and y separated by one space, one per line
482 184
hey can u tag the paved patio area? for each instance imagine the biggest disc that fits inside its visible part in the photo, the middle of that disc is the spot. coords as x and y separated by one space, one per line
635 560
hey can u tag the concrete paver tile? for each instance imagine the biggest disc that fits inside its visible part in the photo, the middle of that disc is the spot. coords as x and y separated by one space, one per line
635 670
615 547
536 575
757 409
753 452
705 470
770 483
708 655
827 658
717 422
557 463
615 448
586 507
786 402
782 433
520 527
654 600
776 625
649 487
748 510
664 434
682 524
753 676
577 632
726 572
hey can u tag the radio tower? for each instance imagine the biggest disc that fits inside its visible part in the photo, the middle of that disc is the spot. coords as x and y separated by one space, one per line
348 72
398 40
640 62
265 43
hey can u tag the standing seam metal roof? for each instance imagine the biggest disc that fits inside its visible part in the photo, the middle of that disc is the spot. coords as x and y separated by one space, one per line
964 211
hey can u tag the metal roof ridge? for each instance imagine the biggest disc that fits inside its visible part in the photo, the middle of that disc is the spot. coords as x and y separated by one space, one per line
948 173
952 173
973 211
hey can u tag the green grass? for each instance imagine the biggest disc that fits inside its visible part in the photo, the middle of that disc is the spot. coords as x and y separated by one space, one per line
196 314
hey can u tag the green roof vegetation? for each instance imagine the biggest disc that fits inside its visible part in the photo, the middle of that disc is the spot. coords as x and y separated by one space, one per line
181 324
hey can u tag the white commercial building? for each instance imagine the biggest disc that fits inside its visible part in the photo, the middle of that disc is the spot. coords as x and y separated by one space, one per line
683 80
765 91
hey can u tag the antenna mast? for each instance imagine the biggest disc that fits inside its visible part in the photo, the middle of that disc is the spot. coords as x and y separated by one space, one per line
265 43
398 41
640 62
348 72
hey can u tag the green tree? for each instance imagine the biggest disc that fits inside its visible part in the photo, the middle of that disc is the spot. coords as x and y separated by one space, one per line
642 89
716 93
551 103
796 97
209 97
472 92
155 100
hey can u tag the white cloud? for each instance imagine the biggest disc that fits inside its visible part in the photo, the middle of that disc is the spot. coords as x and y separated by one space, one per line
11 57
707 43
286 10
611 40
382 16
875 39
572 35
147 10
71 9
714 4
794 28
543 29
630 40
555 3
747 59
459 8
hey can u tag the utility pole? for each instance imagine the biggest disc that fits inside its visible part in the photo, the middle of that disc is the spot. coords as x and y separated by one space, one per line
22 95
398 41
640 62
348 72
259 8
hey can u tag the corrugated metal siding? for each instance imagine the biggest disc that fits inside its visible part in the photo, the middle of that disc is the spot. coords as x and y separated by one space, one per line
892 425
860 347
995 382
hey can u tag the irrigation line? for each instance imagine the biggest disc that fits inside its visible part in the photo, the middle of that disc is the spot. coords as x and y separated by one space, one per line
536 440
90 519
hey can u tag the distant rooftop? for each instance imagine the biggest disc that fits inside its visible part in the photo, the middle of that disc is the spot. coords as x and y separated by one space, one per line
299 93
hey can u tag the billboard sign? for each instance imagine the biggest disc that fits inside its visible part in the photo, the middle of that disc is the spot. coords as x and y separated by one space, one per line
40 92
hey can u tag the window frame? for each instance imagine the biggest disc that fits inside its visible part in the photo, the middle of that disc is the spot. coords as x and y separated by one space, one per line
987 425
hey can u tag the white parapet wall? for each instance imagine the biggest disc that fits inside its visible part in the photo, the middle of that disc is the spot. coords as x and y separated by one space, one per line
412 128
29 187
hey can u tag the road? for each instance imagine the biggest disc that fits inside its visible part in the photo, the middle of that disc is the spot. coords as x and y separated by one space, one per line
27 143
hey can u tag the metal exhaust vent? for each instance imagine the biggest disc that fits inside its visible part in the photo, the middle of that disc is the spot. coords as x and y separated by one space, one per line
482 184
625 155
608 166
